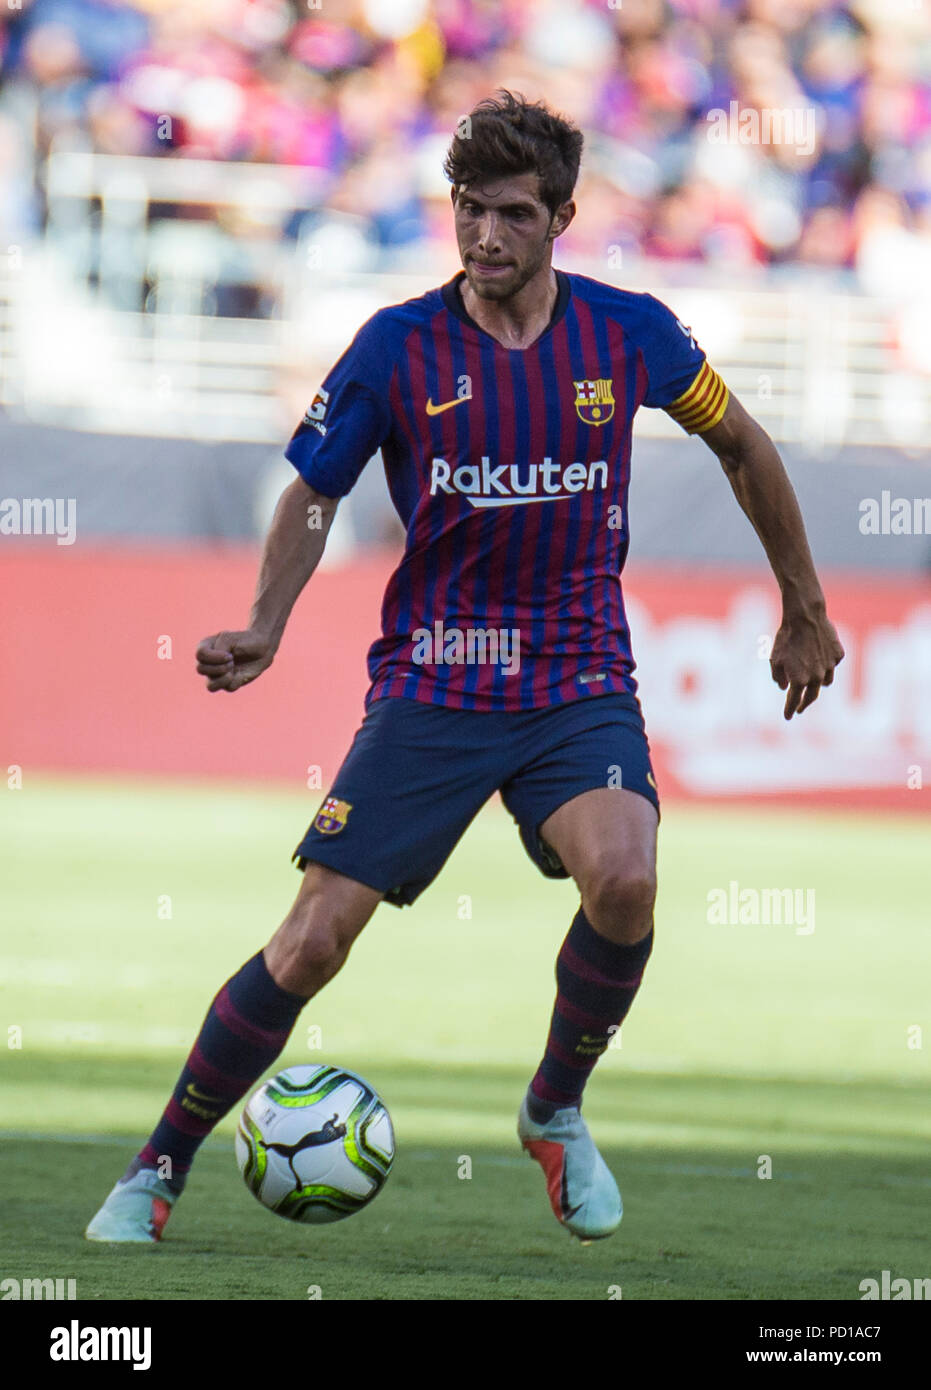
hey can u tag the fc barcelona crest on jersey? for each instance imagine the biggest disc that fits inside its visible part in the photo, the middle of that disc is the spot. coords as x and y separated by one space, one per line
332 816
594 400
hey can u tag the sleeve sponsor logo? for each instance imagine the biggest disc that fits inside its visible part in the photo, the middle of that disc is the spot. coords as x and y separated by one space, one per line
688 333
317 410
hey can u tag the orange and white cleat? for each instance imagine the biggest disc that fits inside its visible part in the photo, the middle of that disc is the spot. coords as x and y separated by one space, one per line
135 1211
582 1192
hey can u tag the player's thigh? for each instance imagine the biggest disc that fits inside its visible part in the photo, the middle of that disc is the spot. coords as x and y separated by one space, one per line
315 937
412 782
606 839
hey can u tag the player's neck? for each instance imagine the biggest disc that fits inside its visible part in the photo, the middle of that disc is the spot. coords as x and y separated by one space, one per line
516 322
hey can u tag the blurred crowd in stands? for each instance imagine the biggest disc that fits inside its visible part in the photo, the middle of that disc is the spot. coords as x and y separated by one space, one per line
368 92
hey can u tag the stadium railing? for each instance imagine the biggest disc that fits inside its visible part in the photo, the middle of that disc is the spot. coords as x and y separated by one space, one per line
103 323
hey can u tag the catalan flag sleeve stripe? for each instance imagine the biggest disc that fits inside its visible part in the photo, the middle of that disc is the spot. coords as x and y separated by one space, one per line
702 406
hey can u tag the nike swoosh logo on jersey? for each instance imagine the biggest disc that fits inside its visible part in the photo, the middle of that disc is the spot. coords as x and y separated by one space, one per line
446 405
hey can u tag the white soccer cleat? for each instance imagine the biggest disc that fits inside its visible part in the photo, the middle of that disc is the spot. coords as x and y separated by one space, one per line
135 1211
582 1192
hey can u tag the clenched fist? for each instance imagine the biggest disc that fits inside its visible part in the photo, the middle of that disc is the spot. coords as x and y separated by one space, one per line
230 660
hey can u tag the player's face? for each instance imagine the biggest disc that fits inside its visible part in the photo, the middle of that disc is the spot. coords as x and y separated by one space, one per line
505 233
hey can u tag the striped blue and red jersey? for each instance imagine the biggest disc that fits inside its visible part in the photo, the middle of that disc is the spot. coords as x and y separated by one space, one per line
509 469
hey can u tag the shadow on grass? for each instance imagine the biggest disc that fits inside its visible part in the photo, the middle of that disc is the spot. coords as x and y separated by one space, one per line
848 1196
836 1113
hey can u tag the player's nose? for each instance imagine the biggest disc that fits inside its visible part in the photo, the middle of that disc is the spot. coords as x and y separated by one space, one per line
489 238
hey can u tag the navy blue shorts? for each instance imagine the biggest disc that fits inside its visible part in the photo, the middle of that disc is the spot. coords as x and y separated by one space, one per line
417 774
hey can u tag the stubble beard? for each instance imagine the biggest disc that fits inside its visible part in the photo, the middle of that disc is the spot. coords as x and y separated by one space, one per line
494 291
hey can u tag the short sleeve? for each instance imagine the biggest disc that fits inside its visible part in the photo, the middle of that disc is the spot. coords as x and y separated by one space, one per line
347 421
679 379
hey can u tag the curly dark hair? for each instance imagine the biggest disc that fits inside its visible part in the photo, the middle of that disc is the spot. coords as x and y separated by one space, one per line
506 135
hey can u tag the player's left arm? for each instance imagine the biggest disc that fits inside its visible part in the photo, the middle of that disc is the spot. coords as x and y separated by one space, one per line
806 649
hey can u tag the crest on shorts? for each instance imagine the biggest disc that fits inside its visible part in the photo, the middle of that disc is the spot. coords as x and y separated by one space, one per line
594 400
332 816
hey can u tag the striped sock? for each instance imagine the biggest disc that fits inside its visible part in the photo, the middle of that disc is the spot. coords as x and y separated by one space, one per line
245 1030
596 982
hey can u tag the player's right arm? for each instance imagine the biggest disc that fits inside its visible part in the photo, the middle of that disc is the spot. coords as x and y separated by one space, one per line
346 423
293 547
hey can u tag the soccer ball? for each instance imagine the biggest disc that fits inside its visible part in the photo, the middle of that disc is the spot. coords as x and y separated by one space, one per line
315 1144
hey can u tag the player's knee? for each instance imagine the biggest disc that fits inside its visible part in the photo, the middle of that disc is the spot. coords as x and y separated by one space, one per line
312 942
320 953
323 926
619 901
306 955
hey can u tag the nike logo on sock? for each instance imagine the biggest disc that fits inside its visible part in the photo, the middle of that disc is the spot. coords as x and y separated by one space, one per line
201 1095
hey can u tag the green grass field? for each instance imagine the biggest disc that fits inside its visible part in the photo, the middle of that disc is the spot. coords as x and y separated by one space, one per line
126 904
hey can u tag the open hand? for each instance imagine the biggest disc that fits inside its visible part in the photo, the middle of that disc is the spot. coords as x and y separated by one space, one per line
804 655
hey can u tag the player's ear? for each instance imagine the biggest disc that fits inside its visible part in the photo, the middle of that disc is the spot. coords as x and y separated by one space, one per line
561 219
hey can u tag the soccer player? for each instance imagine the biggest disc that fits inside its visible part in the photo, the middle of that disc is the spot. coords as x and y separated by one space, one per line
503 403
